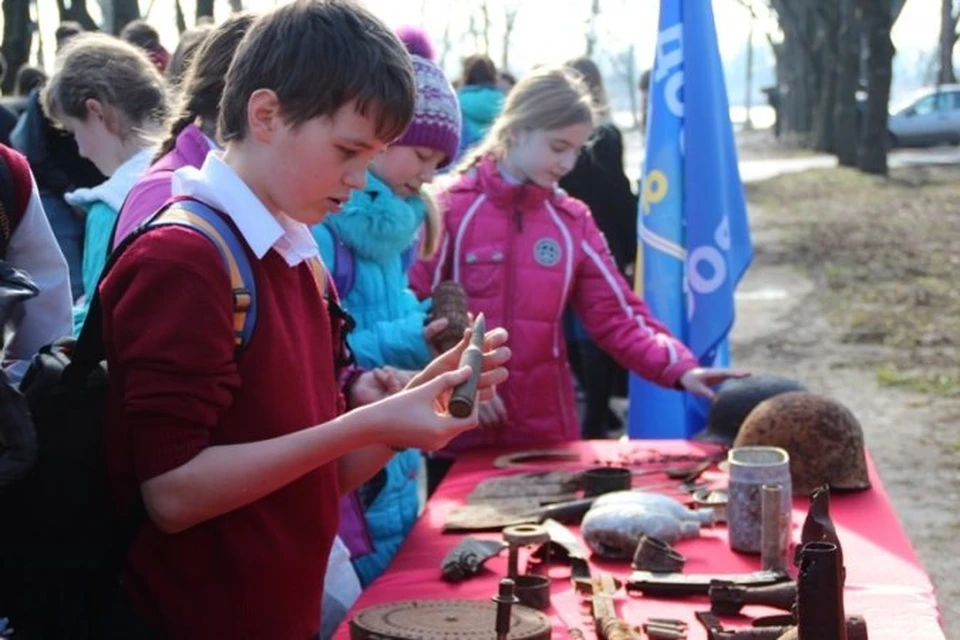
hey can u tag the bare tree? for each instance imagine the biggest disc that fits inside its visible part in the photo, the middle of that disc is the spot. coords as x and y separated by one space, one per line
846 120
877 19
181 18
591 31
123 13
509 22
445 44
949 19
826 43
204 9
624 66
17 38
748 84
75 10
473 29
485 14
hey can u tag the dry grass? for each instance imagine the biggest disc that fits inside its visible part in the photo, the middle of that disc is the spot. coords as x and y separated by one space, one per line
888 253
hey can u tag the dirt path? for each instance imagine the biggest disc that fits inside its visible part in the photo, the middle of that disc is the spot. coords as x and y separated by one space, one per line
782 328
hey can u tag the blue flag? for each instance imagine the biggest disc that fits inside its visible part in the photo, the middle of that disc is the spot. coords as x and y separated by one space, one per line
694 236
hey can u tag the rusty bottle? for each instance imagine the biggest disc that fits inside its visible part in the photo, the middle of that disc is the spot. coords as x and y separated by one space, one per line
820 593
464 397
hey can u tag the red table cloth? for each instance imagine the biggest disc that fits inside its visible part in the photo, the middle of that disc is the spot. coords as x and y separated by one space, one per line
885 581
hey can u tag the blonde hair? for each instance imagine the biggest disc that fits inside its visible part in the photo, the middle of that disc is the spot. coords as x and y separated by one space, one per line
549 98
432 226
113 72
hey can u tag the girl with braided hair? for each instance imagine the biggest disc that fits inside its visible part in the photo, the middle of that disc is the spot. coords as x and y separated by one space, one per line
193 129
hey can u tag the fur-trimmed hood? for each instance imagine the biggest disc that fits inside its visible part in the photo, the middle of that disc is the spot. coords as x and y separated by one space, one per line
376 223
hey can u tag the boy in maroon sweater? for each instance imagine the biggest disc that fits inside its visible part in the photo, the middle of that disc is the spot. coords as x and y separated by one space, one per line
241 458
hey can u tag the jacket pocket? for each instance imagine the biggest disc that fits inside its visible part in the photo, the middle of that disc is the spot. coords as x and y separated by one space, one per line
482 272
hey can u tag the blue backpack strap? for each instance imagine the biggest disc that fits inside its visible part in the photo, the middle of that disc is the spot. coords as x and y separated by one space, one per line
343 263
408 257
212 225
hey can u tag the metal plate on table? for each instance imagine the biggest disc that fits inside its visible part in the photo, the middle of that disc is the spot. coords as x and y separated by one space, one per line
491 516
445 620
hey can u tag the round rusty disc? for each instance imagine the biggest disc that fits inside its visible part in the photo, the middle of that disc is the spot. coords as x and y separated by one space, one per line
445 620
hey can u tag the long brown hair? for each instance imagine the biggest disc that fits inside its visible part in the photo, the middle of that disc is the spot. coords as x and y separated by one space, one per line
205 76
548 98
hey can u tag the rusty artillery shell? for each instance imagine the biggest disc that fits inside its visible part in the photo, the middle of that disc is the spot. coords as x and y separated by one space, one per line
465 395
450 302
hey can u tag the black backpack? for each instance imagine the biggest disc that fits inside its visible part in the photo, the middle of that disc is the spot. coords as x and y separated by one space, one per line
61 548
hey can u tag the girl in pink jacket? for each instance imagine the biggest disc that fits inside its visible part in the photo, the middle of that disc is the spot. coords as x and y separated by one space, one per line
523 250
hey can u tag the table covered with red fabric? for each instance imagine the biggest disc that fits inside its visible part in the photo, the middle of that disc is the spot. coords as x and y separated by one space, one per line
885 582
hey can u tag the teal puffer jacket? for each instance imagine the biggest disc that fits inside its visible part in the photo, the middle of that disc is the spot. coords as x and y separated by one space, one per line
378 227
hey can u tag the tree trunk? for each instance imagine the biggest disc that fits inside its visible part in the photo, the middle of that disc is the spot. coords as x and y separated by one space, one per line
748 90
509 20
591 32
119 13
876 16
846 125
828 26
204 9
17 37
235 5
948 38
77 12
632 85
798 72
485 12
181 19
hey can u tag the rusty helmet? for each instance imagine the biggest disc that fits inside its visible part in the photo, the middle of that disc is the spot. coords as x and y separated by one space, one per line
823 438
735 399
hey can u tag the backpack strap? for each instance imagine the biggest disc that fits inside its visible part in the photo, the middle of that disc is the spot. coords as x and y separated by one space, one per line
408 257
205 220
344 265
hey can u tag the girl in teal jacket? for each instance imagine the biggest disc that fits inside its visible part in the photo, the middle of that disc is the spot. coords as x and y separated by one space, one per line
371 239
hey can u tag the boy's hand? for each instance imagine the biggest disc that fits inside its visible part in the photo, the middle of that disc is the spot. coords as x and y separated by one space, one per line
495 356
418 417
698 381
377 384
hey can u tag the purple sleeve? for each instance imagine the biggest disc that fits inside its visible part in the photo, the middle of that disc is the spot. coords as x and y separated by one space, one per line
145 199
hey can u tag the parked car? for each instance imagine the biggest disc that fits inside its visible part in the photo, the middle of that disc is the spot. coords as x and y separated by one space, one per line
931 117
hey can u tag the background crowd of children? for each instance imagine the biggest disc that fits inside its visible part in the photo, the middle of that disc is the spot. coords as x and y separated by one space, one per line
357 177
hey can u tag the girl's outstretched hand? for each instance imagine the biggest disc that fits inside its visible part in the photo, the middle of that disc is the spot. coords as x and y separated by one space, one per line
699 380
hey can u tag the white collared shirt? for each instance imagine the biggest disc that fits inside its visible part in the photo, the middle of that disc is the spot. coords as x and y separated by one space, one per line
218 185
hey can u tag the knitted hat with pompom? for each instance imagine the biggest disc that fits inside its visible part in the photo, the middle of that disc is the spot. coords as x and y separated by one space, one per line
436 116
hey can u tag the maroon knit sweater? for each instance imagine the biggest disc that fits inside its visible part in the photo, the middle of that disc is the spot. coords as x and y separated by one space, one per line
177 387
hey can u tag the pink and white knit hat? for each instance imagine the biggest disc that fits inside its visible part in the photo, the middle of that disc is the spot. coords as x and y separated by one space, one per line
436 116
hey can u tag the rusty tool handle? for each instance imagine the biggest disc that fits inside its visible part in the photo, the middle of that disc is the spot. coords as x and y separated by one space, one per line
464 396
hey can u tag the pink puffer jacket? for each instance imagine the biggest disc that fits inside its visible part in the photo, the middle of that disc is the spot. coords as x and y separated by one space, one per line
522 252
